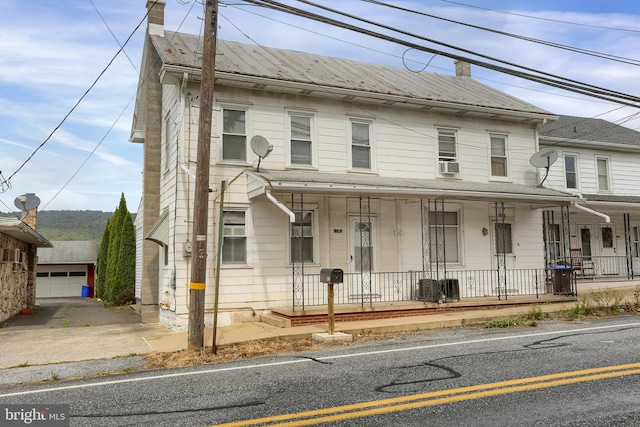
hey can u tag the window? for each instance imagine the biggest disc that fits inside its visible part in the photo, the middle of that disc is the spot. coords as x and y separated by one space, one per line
77 274
58 274
602 169
554 242
301 141
302 238
360 145
448 239
234 235
447 145
165 255
234 135
607 237
499 156
635 241
571 171
42 274
504 240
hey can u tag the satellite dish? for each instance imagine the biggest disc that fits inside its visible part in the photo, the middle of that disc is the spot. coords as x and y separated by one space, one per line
27 202
261 148
544 158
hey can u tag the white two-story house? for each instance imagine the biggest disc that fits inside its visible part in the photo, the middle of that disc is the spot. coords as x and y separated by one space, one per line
598 161
390 175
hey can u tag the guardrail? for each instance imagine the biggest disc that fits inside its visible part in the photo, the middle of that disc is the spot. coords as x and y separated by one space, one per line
600 266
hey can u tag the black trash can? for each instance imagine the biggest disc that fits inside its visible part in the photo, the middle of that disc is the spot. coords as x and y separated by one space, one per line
450 289
428 290
561 276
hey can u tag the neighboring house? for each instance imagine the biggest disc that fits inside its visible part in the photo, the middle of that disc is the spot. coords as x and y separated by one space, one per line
391 175
64 269
597 160
18 245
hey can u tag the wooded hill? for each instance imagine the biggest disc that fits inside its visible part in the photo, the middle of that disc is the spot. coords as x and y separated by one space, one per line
70 225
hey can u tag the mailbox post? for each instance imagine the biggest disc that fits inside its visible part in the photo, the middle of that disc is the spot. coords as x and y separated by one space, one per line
330 276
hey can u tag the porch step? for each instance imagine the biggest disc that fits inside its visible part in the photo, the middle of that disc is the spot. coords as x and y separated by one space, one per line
275 320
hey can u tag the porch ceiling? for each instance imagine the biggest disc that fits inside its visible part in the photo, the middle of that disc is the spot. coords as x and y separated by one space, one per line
372 185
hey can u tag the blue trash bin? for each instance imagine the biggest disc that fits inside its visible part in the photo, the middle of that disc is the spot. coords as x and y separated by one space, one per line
86 291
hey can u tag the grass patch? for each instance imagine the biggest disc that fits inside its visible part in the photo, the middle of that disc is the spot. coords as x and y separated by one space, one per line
601 303
533 316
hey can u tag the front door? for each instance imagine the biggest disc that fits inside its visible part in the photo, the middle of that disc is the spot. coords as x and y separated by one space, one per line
503 244
608 250
362 259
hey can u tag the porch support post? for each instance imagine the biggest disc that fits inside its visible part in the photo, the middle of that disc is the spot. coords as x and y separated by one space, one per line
365 250
627 244
441 245
566 232
297 250
426 239
501 246
545 238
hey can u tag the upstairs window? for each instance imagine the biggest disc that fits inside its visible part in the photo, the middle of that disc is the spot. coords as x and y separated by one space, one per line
234 135
499 165
301 142
602 169
360 145
571 171
234 238
447 145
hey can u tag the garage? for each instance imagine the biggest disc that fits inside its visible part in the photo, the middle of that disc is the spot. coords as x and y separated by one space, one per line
60 281
65 268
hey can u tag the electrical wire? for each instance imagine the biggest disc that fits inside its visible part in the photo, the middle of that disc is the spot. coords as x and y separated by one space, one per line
104 70
516 36
542 19
541 77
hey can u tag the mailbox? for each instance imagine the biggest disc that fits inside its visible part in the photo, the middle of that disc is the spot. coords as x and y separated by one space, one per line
331 275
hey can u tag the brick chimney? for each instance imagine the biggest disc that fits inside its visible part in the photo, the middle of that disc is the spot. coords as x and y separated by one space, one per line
30 218
463 69
155 18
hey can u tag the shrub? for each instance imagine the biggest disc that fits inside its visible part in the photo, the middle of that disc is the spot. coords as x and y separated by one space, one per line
126 297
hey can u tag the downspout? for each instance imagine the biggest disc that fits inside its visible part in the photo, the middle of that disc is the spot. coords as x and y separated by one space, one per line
281 206
591 211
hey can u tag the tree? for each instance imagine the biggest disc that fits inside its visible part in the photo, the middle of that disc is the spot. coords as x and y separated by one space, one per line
101 268
121 256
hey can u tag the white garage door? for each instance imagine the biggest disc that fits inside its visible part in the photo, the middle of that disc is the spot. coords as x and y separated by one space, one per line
60 280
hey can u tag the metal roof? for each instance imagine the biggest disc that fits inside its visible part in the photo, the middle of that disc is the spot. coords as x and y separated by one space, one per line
17 229
588 129
347 184
268 68
69 252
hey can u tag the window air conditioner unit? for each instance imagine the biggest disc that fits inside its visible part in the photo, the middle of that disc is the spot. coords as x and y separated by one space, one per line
449 168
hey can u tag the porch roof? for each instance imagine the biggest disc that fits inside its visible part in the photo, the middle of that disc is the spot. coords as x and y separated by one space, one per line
19 230
613 201
352 184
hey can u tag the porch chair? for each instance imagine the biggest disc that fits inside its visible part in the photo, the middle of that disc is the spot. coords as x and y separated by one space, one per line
578 265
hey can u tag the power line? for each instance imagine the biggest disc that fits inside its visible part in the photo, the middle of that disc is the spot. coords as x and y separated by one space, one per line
543 19
516 36
104 70
540 77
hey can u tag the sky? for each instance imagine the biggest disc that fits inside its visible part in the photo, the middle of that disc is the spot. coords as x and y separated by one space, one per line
54 54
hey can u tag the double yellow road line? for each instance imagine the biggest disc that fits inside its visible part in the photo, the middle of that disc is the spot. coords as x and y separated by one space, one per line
403 403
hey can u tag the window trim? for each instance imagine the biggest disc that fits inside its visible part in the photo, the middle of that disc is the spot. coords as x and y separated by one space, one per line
507 176
372 155
454 131
315 227
607 159
248 225
576 171
312 135
247 131
459 235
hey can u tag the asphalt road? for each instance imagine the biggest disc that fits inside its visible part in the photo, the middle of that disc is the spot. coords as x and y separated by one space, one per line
560 374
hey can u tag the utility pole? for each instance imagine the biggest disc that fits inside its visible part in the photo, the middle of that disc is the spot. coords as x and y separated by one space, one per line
201 198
